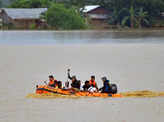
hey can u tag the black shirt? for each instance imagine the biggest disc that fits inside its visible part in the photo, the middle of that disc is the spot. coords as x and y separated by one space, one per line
76 83
86 87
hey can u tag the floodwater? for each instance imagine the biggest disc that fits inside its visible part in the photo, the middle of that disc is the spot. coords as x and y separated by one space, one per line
79 37
133 60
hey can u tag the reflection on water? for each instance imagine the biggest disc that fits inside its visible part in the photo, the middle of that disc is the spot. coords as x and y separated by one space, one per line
132 94
76 37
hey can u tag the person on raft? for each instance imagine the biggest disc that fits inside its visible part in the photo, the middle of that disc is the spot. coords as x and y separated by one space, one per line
93 83
106 85
91 86
75 83
86 86
54 83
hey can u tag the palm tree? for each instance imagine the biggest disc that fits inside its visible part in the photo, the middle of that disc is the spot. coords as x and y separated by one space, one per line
115 18
141 17
132 17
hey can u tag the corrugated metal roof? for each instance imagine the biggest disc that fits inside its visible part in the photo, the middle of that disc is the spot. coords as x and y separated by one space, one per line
24 13
90 8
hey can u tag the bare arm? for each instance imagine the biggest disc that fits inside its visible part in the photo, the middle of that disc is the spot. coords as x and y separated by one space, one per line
69 76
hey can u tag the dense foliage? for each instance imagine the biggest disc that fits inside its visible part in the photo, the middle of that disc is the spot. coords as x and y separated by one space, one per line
0 3
132 13
60 17
30 4
46 3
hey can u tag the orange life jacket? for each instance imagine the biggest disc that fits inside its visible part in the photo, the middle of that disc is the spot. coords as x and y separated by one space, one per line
92 83
53 83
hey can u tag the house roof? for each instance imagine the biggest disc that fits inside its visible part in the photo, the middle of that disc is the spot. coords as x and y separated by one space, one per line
89 8
24 13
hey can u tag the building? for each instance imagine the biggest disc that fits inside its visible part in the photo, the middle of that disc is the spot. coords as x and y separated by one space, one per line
97 15
162 14
22 18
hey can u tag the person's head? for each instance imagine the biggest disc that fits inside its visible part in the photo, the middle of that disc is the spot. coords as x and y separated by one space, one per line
51 78
73 78
104 79
86 82
92 78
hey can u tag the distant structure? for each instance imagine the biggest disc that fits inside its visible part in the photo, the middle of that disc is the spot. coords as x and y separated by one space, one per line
22 18
98 15
162 14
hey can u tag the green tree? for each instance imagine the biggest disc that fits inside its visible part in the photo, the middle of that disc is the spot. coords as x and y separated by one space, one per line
136 18
142 17
20 4
30 4
120 7
124 11
131 17
0 3
60 17
153 7
39 3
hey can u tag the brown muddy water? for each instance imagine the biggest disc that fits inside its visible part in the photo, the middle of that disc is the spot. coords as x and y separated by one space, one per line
134 61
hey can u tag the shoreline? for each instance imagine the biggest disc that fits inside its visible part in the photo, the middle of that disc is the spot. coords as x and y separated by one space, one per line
90 30
80 37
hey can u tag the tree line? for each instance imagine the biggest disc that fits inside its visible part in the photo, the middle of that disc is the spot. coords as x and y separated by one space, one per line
124 13
134 13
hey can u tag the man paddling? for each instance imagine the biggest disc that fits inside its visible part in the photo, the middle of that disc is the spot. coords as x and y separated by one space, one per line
75 83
